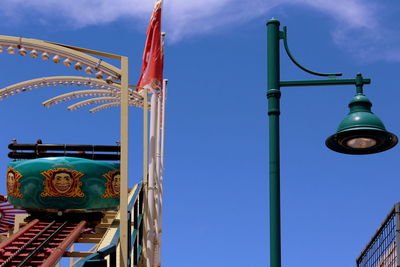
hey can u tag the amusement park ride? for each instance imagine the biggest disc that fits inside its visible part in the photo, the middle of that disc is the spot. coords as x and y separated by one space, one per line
60 195
71 195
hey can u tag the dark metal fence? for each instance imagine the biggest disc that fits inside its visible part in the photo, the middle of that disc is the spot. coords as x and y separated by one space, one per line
383 248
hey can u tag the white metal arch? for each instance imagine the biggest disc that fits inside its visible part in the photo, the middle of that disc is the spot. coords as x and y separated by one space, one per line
98 100
57 81
79 94
73 54
100 88
105 106
69 55
134 100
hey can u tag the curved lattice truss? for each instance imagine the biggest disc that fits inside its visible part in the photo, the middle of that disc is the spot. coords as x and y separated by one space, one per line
79 94
105 106
99 89
61 53
99 100
133 96
59 81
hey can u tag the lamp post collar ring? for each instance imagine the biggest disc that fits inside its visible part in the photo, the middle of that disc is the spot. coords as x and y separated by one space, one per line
274 93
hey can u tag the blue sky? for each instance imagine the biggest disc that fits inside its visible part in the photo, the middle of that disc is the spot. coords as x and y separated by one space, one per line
216 180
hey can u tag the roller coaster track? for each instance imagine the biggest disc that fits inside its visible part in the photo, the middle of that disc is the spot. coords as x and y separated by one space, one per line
43 242
40 243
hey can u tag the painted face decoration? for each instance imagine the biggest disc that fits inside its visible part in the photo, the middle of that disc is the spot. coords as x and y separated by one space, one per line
112 185
10 182
115 183
13 185
62 182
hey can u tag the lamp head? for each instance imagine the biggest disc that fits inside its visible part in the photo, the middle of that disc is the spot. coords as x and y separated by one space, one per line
361 131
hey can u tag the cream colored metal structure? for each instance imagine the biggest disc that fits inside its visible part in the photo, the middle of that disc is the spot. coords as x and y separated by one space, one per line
159 156
79 81
152 186
99 88
105 106
117 95
98 100
146 172
155 178
79 56
79 94
73 54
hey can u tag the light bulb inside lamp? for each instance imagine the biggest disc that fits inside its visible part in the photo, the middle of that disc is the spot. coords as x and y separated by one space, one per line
361 142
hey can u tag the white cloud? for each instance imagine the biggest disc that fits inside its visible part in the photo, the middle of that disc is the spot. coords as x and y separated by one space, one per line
80 13
353 13
359 28
199 16
181 17
357 25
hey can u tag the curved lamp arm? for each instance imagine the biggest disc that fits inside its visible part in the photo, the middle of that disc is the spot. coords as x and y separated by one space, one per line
284 37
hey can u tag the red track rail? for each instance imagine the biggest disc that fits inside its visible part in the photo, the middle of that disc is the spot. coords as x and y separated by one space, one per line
39 243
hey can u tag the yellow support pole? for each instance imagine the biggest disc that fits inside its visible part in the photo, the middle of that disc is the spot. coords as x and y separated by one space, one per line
123 204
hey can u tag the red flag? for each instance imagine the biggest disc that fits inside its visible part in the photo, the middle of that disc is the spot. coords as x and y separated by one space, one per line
153 56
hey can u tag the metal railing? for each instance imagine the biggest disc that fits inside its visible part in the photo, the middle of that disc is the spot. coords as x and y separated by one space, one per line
383 248
135 238
39 150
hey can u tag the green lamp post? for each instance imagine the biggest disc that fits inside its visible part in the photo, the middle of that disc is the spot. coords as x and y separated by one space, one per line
360 132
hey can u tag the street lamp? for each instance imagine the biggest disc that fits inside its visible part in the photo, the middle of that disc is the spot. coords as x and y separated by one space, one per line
360 132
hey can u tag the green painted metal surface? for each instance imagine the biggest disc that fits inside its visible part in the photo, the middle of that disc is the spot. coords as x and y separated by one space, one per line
361 126
360 123
360 116
285 43
63 183
274 95
322 82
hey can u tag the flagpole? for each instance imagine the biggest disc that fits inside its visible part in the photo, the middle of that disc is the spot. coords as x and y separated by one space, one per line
160 172
158 193
159 186
151 78
152 186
